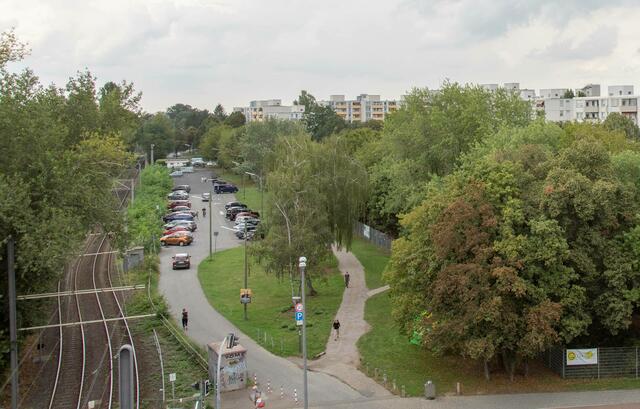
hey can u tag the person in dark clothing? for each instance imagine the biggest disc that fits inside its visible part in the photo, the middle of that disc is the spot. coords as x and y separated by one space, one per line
204 212
346 279
185 319
336 328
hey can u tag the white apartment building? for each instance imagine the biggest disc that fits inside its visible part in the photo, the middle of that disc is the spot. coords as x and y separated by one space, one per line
558 109
595 108
553 92
271 108
525 94
362 109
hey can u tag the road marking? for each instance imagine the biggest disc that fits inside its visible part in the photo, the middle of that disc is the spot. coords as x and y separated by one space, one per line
221 213
227 228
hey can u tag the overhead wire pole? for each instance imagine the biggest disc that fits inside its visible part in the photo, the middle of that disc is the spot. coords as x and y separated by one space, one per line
303 264
12 322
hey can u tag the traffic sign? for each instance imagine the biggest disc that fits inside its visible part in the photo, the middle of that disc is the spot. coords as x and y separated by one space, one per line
299 307
172 377
299 317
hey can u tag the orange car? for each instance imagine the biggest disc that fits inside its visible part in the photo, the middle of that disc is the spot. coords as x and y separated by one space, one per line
179 238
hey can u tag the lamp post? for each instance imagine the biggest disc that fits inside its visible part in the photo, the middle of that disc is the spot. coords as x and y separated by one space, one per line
261 192
210 227
302 264
246 269
152 146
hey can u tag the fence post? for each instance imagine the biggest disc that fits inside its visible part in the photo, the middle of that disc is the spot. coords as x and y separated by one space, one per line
564 357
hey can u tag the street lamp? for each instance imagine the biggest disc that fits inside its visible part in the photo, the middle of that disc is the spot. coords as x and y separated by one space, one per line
261 192
302 263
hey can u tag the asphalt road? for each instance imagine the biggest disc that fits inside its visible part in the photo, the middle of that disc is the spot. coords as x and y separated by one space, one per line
181 289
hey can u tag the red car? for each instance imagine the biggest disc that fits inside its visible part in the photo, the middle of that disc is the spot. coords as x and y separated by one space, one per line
175 203
249 213
174 230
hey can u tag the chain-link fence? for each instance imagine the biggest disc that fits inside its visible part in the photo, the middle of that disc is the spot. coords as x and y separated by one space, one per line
373 236
609 362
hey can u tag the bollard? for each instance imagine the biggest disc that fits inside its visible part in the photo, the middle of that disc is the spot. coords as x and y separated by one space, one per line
268 386
272 343
384 379
281 392
458 389
404 392
265 337
395 388
366 367
295 395
375 373
430 390
255 379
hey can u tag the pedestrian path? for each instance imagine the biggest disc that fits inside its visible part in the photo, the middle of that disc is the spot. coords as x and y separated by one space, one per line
342 358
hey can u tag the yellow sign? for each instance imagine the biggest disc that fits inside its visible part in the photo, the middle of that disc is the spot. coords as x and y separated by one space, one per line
246 292
587 356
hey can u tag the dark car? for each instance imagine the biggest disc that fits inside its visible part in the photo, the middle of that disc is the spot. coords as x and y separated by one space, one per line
233 211
186 188
226 188
176 203
178 195
234 204
248 212
181 260
177 216
189 224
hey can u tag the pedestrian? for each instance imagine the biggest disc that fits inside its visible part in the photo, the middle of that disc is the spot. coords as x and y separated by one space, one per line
204 212
185 319
346 279
336 328
197 215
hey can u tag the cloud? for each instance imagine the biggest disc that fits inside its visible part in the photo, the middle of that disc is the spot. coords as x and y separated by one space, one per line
598 44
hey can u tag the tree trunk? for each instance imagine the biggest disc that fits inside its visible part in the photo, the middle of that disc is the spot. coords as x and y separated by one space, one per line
312 291
509 363
487 375
526 368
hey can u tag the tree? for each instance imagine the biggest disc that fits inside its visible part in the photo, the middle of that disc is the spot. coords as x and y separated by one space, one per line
619 122
235 120
219 114
157 130
11 49
568 94
320 121
119 109
82 114
581 94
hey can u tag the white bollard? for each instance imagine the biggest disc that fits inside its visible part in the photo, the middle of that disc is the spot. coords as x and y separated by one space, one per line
268 386
281 392
255 379
295 395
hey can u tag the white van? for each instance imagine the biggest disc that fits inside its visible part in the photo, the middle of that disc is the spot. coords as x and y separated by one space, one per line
206 196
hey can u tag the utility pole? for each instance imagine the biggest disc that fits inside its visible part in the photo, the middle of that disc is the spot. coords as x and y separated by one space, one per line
12 322
210 228
303 264
152 146
246 268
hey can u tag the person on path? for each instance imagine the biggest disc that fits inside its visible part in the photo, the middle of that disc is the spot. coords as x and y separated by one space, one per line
185 319
346 279
197 215
336 328
204 212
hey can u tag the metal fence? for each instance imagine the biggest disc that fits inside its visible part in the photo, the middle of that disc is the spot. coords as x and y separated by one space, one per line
373 236
611 362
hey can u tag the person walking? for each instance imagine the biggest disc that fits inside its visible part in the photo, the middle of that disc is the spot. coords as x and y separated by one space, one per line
185 319
336 328
204 212
346 279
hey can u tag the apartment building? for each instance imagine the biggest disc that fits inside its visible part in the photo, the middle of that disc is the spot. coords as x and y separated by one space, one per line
620 99
271 108
525 93
362 109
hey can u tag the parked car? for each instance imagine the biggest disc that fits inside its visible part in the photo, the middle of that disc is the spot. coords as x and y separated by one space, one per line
181 260
234 204
247 219
175 229
176 203
181 238
178 195
226 188
247 212
186 188
187 169
206 196
175 173
177 216
212 163
183 209
241 226
233 211
189 224
250 234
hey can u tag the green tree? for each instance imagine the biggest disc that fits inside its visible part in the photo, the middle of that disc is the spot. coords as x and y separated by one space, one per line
218 113
619 122
119 106
158 130
568 94
235 120
320 121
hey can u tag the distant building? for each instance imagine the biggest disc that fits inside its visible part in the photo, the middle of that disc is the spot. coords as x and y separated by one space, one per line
553 93
271 108
362 109
589 90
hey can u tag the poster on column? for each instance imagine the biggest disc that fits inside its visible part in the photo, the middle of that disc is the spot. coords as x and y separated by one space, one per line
582 356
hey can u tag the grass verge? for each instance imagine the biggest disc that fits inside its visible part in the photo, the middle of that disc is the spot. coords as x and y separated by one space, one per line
389 351
270 311
373 259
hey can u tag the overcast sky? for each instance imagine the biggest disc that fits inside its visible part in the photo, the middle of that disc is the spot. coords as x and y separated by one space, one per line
201 52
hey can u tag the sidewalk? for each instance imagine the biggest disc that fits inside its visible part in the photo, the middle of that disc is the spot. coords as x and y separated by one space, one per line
342 357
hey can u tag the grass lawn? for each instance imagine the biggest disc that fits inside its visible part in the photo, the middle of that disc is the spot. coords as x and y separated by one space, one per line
249 193
373 259
389 351
270 309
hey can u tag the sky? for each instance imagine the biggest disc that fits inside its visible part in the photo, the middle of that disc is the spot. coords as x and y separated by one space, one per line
205 52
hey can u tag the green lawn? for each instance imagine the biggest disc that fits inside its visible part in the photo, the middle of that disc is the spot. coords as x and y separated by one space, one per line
270 310
373 259
248 193
389 351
